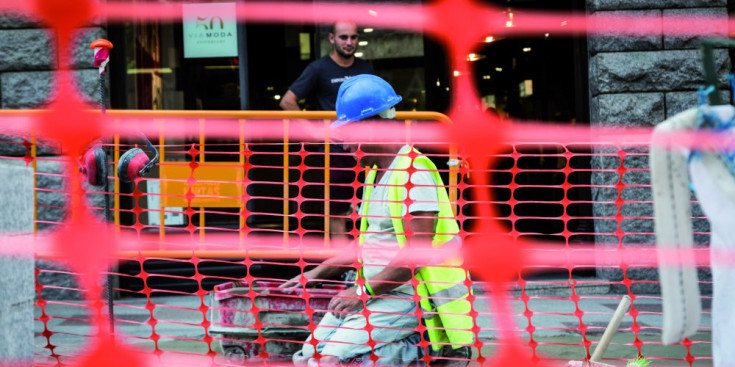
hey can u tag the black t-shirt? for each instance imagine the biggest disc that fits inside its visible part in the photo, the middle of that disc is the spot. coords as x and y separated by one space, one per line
322 78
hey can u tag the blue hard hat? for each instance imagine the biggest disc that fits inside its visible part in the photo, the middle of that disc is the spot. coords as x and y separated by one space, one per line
363 96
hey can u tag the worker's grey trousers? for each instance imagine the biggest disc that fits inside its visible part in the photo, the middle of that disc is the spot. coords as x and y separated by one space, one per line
392 317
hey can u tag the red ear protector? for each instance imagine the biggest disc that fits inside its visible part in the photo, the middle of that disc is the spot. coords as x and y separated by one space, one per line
94 166
135 163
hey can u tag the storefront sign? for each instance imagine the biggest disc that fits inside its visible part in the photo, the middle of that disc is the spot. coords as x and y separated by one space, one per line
210 30
526 88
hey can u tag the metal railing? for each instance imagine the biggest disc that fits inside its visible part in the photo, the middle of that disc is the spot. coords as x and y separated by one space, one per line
173 176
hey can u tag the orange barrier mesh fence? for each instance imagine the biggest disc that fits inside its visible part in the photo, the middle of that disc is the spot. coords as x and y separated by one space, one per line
206 290
199 302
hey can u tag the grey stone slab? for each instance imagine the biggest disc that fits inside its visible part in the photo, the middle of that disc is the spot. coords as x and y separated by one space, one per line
52 207
637 178
637 225
610 162
57 281
701 225
606 226
680 101
636 194
648 40
9 20
607 149
638 239
605 210
52 195
607 239
613 274
697 210
636 161
13 146
16 197
32 89
17 281
604 194
87 83
634 149
594 5
46 148
637 209
715 27
705 281
82 55
26 49
627 109
95 200
16 334
651 71
702 238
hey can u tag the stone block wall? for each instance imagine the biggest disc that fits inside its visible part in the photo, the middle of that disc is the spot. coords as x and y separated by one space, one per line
639 81
28 61
28 70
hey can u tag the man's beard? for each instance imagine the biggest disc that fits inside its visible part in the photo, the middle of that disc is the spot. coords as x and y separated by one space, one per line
341 53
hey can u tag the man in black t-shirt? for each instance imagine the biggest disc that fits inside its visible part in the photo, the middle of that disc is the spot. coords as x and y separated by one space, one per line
322 78
320 81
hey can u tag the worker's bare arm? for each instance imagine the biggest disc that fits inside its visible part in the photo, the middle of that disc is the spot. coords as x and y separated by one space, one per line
348 301
290 102
396 273
327 269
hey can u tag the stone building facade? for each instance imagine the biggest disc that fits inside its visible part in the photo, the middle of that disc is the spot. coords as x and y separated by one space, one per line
27 65
639 81
27 69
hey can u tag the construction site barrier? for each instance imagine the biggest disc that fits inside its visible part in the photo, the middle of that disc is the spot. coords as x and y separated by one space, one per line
534 219
540 191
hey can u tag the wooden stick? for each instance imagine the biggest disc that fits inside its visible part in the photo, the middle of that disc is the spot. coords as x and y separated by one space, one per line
611 329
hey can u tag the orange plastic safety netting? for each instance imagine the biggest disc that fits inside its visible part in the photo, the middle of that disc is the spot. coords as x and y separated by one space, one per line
180 315
200 303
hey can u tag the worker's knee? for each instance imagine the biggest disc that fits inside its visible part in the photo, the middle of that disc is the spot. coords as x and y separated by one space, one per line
323 361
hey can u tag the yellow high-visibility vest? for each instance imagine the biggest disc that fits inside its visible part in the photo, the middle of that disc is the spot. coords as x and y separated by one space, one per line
442 288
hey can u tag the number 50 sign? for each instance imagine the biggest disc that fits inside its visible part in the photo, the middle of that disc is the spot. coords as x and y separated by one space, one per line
210 30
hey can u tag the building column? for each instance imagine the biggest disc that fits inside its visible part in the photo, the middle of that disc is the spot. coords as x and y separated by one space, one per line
17 284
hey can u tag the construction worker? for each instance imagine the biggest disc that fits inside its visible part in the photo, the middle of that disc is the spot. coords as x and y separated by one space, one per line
383 284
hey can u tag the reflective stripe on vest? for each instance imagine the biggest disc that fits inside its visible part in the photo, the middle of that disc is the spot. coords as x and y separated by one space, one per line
444 296
442 288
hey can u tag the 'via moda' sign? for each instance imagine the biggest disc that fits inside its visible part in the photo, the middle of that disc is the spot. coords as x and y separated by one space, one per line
210 30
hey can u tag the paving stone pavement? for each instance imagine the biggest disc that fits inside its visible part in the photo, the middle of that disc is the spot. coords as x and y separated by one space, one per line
555 319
